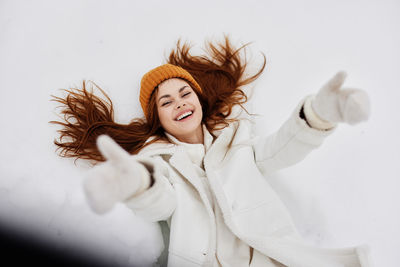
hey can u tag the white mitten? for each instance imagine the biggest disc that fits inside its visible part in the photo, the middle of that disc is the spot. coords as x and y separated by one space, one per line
116 179
335 104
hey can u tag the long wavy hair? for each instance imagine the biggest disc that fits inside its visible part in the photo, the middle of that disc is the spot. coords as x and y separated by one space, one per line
221 73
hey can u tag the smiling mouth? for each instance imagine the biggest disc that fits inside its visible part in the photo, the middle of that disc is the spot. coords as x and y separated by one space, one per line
184 115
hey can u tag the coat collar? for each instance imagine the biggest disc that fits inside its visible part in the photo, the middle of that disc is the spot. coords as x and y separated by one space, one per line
162 147
170 148
216 150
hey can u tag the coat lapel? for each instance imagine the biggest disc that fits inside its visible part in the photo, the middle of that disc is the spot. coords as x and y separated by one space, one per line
217 152
181 162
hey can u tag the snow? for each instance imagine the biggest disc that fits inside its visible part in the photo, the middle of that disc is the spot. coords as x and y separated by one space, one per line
343 194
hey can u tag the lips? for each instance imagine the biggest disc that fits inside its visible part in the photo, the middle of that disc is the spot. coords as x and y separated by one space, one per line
184 114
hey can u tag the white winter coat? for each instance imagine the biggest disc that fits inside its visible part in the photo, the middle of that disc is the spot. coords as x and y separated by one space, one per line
235 165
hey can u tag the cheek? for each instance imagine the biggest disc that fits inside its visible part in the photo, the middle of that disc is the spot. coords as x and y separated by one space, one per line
163 116
199 107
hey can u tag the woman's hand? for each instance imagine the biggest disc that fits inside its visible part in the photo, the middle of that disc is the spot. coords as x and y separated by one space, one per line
116 179
335 104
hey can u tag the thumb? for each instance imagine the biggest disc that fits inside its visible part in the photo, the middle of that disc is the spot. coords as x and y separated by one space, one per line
110 149
335 82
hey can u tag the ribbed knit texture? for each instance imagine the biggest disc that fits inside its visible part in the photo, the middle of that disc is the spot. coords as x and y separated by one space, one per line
156 76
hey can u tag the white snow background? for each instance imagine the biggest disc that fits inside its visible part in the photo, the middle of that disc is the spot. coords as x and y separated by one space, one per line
343 194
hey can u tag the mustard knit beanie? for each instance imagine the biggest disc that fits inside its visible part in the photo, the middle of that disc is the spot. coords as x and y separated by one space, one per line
156 76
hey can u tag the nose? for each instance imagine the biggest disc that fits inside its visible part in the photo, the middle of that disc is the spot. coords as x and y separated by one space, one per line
180 105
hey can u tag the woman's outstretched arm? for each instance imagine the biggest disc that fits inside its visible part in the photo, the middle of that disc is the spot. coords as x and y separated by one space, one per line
138 181
314 118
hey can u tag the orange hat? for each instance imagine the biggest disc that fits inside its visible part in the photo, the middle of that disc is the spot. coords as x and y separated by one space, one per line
156 76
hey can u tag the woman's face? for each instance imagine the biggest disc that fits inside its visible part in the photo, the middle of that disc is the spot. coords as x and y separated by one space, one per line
179 110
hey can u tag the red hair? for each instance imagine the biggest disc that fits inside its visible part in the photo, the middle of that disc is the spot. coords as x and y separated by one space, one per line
221 73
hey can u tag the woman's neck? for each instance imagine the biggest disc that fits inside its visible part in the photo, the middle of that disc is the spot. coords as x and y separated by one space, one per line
196 137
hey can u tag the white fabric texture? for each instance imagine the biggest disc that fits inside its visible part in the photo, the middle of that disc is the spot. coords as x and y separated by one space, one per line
114 180
313 119
230 250
234 165
335 104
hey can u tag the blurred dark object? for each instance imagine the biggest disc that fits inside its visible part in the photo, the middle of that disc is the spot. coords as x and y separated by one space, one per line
19 248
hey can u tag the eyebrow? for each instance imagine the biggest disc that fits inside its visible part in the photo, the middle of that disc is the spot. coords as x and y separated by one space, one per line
166 96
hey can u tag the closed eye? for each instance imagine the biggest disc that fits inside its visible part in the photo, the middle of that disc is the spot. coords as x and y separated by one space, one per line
186 94
166 103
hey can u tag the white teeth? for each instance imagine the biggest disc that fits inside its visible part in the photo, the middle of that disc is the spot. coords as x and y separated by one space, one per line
184 115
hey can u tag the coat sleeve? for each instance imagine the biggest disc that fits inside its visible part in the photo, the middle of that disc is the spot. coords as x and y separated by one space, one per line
158 202
294 140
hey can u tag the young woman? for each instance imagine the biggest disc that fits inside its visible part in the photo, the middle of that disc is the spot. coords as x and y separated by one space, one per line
193 164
